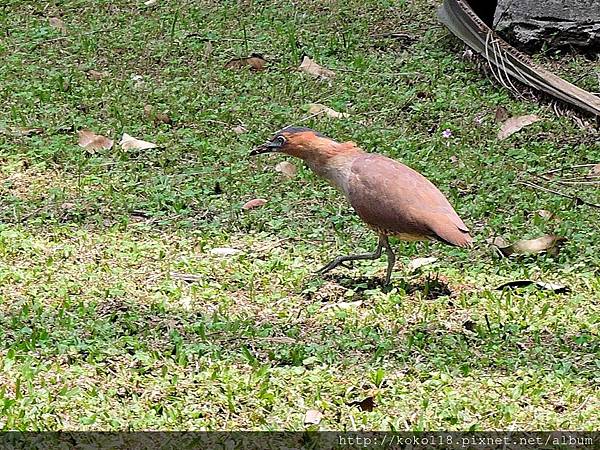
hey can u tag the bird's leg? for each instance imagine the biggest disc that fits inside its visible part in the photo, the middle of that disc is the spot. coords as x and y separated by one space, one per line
391 259
343 258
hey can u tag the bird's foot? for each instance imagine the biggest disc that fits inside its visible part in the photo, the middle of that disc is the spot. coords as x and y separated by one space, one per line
339 261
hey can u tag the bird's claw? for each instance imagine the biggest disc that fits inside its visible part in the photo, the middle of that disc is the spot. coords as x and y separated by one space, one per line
332 265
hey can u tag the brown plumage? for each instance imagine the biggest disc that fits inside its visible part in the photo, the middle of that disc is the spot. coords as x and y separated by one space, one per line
391 198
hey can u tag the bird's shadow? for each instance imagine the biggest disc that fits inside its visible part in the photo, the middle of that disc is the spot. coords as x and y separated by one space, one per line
430 286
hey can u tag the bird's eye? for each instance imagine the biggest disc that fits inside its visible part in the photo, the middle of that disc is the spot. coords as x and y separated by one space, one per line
280 141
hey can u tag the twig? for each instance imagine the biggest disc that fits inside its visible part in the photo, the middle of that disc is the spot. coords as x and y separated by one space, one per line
580 407
393 35
561 194
562 169
588 182
204 38
582 178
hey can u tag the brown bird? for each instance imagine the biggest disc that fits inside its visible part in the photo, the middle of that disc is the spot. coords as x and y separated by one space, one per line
391 198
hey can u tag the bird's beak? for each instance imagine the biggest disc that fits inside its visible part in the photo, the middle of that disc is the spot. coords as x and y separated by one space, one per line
267 147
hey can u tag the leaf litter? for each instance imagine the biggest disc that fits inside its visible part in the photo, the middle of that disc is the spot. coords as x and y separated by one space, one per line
93 142
515 124
549 243
317 108
254 203
254 62
130 143
312 68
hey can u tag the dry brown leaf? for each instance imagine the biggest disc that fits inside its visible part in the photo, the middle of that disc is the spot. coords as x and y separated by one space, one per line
596 170
313 417
254 203
28 131
92 141
254 62
129 142
549 243
57 23
515 124
501 114
364 405
95 75
287 169
312 68
240 129
162 117
157 117
317 108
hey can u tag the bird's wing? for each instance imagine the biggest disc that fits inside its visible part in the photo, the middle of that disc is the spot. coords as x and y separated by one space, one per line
394 198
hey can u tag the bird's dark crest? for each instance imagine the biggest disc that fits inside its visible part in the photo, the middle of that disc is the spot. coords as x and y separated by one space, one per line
293 130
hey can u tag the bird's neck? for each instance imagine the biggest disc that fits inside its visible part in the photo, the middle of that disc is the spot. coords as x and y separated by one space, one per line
333 161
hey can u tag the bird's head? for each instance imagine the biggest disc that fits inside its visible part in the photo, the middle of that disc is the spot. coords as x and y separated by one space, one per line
300 142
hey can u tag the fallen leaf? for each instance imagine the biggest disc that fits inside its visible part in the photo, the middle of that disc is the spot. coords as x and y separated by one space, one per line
501 114
92 141
421 262
454 159
287 169
364 405
95 75
254 62
162 117
313 417
545 214
57 23
254 203
317 108
28 131
595 170
224 251
240 129
554 287
150 2
157 117
129 142
312 68
549 243
515 124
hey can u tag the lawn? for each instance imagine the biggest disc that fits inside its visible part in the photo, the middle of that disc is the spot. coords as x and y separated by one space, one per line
116 315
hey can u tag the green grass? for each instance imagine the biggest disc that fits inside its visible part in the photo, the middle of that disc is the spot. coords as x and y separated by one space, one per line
95 331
